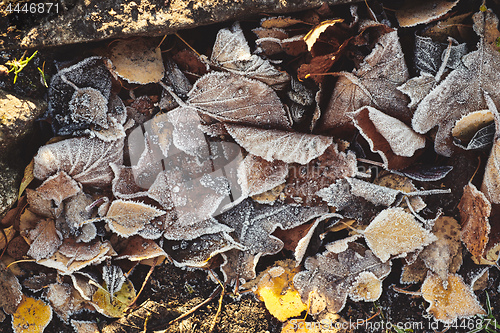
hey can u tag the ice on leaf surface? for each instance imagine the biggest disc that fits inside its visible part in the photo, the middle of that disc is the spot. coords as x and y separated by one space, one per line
455 302
491 180
65 300
89 105
394 232
45 238
139 249
114 306
330 276
187 136
124 184
85 160
10 290
256 175
253 225
289 147
58 188
231 52
113 277
367 287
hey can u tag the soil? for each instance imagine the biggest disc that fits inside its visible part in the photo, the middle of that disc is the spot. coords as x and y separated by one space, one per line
172 291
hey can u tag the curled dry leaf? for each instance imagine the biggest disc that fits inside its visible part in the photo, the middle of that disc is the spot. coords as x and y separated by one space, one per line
367 287
256 175
413 13
65 300
137 60
491 180
289 147
85 160
330 276
467 126
454 302
461 92
58 187
373 84
82 326
10 291
45 238
140 249
41 206
392 139
32 315
231 52
475 210
312 36
395 232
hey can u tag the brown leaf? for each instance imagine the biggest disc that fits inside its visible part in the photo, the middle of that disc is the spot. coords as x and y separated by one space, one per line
42 206
65 300
475 210
418 87
140 249
58 187
373 84
124 184
456 301
279 22
256 175
413 13
491 181
289 147
10 290
462 91
85 160
45 238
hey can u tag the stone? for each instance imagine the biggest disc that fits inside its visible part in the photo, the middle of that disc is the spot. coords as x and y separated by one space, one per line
94 20
10 179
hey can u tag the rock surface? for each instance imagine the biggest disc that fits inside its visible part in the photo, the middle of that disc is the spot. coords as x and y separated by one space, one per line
10 178
93 20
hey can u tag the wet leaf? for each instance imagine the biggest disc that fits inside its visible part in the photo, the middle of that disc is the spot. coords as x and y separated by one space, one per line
331 276
85 160
10 291
32 315
289 147
447 305
475 211
45 238
461 92
373 84
114 306
414 13
253 225
394 232
232 53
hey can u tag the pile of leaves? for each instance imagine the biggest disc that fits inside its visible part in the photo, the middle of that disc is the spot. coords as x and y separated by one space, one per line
319 144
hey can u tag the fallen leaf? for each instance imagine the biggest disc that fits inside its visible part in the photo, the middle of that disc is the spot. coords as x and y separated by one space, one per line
491 180
467 126
312 36
331 276
373 84
27 178
32 315
41 206
256 175
448 305
113 277
137 60
253 225
65 300
58 187
82 326
367 287
85 160
413 13
114 306
461 92
289 147
140 249
231 52
394 232
10 291
279 22
45 238
88 105
475 210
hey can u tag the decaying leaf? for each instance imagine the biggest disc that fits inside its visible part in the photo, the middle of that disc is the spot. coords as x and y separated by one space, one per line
276 289
65 300
394 232
85 160
313 34
467 126
439 255
45 238
41 206
137 61
373 84
82 326
367 287
253 225
10 290
454 302
414 13
32 315
475 210
462 91
289 147
332 275
58 187
491 180
392 139
279 22
114 306
256 175
232 53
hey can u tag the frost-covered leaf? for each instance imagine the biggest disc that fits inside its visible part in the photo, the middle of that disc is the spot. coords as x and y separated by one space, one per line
124 184
65 300
148 164
289 147
45 238
491 180
304 181
92 73
32 315
113 277
482 139
231 52
418 87
421 12
126 218
467 126
426 173
137 60
253 225
256 175
140 249
76 212
392 139
114 306
85 160
58 187
233 98
394 232
88 105
41 206
373 84
461 92
367 287
455 302
475 210
10 290
279 22
82 326
186 135
331 276
439 255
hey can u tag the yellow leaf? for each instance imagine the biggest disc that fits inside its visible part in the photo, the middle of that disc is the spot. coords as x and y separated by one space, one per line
27 178
121 300
32 316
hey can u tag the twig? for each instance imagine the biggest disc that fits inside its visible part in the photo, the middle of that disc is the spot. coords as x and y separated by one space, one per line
212 326
208 300
143 284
